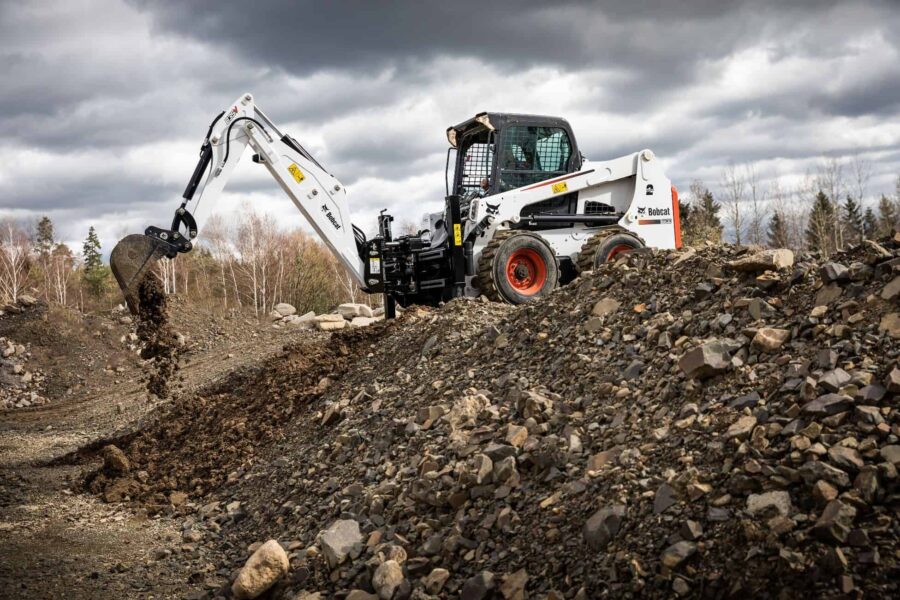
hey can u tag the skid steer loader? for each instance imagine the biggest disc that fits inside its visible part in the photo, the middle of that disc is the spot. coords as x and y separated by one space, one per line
524 211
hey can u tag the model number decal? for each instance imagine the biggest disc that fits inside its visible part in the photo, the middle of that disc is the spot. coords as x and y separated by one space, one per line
296 172
560 187
231 115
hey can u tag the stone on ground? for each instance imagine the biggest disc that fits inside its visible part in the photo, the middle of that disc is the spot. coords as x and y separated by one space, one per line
340 540
262 570
774 259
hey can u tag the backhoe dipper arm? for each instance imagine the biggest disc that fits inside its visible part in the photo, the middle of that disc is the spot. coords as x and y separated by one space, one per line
316 193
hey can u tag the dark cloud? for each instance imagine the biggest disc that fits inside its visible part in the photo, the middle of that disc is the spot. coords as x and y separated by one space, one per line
113 96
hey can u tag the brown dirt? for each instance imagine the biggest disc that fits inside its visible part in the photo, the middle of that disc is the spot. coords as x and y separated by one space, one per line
58 543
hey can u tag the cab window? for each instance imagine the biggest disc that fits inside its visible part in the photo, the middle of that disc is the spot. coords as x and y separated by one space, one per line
532 154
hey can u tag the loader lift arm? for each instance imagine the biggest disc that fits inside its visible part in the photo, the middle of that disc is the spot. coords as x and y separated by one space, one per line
319 196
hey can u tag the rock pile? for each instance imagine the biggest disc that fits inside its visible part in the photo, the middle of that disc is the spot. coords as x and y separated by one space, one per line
20 386
347 315
712 422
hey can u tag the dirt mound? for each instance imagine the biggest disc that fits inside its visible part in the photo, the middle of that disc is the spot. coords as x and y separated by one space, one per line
63 352
685 423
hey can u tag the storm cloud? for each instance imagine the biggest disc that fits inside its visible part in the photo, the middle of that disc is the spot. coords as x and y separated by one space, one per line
105 102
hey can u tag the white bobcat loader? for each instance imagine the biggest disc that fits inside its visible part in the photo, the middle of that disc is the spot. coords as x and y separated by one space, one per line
524 211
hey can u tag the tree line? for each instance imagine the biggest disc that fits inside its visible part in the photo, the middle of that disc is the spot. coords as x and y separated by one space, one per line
247 264
251 264
828 212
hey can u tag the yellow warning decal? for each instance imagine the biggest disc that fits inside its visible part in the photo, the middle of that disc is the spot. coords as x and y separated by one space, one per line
296 172
560 187
457 234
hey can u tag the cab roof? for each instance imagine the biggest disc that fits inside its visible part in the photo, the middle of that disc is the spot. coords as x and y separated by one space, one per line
497 121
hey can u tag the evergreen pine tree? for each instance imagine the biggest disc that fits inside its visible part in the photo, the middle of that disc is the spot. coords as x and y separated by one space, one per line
888 216
94 272
43 239
43 246
778 233
870 224
851 213
820 230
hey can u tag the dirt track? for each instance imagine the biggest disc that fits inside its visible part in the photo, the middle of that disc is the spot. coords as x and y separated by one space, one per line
60 544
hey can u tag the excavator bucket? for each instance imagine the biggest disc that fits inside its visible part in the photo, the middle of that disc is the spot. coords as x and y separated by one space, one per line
130 260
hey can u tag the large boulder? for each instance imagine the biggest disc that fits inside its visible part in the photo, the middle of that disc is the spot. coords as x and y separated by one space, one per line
767 260
306 321
265 567
362 321
332 325
351 309
26 300
328 318
284 309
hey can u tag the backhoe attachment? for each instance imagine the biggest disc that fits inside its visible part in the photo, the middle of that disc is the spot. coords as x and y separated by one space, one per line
136 254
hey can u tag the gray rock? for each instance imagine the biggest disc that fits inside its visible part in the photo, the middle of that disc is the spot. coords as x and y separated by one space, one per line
387 578
605 307
891 454
284 309
834 523
769 504
847 459
828 404
603 526
814 470
767 260
892 289
706 360
832 271
664 498
478 587
340 540
834 380
351 309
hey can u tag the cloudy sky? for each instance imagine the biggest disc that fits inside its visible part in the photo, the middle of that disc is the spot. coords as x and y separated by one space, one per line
105 102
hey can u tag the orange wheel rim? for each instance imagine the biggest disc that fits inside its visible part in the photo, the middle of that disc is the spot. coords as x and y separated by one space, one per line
617 250
526 271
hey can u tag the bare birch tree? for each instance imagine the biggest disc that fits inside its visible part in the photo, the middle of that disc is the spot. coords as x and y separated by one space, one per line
830 181
733 184
14 262
758 197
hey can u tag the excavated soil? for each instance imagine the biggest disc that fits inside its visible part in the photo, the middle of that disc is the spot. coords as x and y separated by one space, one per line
668 426
157 337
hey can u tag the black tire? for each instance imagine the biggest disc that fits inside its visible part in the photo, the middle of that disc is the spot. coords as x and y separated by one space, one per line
517 267
605 246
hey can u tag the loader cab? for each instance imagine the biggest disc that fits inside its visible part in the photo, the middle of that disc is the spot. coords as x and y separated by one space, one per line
509 151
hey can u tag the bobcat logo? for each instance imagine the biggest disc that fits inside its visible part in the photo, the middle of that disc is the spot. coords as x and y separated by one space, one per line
491 209
641 211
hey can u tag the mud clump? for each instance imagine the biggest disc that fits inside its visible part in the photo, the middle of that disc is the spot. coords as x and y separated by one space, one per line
157 337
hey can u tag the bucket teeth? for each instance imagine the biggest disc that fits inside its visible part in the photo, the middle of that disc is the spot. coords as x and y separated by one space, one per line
130 260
